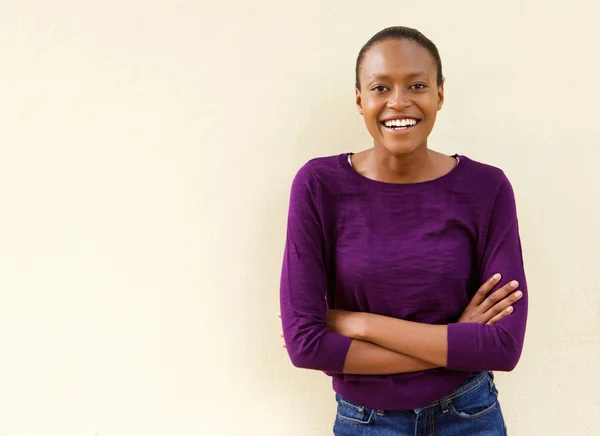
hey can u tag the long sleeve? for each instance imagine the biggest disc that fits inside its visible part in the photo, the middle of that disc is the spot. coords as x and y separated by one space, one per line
476 347
309 342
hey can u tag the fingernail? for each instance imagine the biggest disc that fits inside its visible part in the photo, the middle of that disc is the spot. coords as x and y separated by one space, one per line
496 276
509 309
518 294
514 284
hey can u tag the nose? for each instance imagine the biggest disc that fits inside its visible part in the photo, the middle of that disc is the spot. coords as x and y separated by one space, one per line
399 99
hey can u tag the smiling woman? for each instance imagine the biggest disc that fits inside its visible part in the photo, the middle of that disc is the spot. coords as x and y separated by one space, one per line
399 92
403 276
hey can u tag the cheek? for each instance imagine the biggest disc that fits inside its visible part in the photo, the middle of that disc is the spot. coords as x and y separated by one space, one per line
372 110
430 103
371 119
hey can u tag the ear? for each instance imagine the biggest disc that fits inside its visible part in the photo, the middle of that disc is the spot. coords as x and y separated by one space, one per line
440 96
358 101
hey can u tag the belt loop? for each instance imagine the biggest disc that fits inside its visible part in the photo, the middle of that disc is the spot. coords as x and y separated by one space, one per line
380 412
444 405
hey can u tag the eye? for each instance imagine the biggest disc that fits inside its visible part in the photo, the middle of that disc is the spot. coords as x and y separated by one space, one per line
379 88
419 86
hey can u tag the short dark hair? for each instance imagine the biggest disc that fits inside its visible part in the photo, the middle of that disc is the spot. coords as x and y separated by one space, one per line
400 33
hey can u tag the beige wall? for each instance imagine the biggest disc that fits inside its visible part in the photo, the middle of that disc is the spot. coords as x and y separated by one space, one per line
146 152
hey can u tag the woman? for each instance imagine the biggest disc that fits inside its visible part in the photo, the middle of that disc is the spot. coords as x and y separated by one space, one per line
384 256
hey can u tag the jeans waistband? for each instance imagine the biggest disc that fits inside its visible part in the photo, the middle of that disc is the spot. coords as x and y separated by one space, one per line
469 385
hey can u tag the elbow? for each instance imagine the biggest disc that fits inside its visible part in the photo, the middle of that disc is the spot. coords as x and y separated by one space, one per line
506 351
322 352
298 359
504 365
484 348
301 351
509 358
302 359
510 362
303 363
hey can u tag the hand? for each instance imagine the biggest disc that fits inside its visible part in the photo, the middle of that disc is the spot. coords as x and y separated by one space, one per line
490 310
281 335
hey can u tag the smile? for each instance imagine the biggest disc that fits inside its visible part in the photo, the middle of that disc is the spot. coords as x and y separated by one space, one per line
400 124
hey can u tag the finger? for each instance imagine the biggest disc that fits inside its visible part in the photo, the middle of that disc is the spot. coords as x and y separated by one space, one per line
485 289
503 314
281 335
279 315
499 295
503 304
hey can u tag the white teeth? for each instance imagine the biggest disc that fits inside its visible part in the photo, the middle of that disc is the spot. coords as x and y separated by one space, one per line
401 122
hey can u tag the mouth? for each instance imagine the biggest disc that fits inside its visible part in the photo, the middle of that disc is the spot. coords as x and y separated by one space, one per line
400 124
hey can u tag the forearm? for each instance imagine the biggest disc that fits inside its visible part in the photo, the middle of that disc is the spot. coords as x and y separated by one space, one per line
371 359
426 342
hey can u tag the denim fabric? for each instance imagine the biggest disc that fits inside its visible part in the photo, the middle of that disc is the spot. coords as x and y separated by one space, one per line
472 409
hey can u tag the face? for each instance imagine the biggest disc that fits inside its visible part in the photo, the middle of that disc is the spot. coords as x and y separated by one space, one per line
399 96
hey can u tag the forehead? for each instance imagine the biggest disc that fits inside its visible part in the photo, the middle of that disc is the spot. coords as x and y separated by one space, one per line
397 57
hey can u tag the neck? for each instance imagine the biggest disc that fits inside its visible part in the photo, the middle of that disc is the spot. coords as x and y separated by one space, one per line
415 167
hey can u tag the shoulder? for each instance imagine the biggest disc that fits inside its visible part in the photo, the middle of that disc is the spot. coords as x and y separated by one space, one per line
489 184
320 171
483 172
485 176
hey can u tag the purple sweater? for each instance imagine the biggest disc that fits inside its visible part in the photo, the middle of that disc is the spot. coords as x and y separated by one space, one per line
411 251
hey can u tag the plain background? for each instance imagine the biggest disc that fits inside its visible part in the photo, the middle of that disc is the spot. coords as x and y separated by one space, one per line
146 154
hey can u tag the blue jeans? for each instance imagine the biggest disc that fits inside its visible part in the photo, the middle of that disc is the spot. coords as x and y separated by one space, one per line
472 409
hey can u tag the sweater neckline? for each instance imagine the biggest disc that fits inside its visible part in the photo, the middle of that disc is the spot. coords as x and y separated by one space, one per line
388 186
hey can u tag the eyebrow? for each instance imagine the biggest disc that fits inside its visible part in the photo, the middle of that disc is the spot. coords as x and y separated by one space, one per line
386 77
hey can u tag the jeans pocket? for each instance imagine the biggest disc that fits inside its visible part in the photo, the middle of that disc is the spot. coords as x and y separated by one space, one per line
353 413
477 402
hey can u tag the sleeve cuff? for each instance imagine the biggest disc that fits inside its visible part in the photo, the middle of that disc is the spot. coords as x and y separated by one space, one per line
336 347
